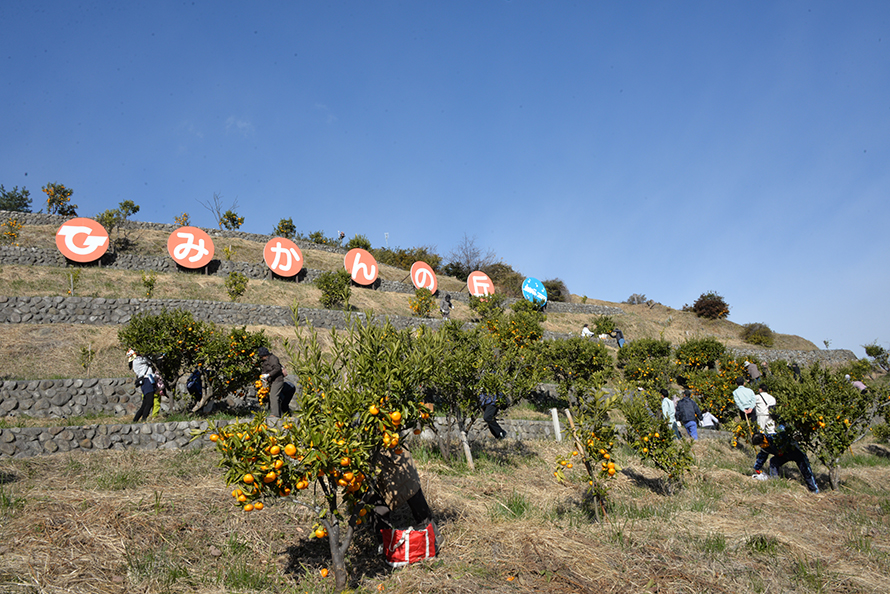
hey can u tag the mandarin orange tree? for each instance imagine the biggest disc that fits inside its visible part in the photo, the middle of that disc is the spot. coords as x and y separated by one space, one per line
715 386
647 432
824 413
360 398
594 436
647 361
577 365
58 200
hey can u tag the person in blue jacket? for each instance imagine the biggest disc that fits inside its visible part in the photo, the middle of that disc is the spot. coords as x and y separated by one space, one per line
782 449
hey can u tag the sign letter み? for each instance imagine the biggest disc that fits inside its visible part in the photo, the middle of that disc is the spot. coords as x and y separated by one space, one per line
190 247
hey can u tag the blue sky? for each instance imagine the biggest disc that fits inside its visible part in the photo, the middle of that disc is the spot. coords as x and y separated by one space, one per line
664 148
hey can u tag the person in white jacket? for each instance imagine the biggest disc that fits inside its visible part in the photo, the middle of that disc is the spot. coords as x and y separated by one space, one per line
145 380
762 405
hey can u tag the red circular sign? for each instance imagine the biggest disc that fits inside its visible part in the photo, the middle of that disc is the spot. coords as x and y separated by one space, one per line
478 284
422 276
82 240
190 247
361 266
283 256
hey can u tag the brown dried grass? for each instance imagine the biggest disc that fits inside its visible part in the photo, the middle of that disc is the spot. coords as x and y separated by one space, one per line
162 522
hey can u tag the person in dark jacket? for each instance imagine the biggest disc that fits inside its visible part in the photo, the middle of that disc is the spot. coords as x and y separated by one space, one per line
689 414
489 415
782 449
271 366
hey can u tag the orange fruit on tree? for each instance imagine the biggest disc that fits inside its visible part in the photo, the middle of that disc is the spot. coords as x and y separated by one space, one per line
270 476
248 507
324 572
290 449
258 505
214 437
373 409
396 417
344 461
248 478
275 450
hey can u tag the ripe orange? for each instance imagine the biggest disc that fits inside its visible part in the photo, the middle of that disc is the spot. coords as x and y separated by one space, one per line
248 478
248 507
270 477
275 450
344 461
611 472
319 532
324 572
214 437
278 464
258 505
290 449
396 417
373 409
362 512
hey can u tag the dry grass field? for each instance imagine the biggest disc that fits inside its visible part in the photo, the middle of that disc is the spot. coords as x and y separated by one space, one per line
162 522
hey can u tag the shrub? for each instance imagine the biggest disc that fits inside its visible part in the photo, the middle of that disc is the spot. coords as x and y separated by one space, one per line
285 229
9 231
879 355
699 353
58 200
15 199
336 288
636 299
647 361
710 305
715 387
508 281
759 334
405 258
183 220
359 241
236 285
603 325
319 237
422 302
556 290
488 306
577 364
149 279
231 221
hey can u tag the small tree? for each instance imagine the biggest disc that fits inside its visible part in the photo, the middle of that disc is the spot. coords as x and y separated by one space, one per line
336 287
699 353
556 290
636 299
710 305
236 285
650 436
183 220
15 200
285 228
359 241
647 361
231 221
9 231
58 200
577 365
112 220
879 355
824 413
422 302
360 399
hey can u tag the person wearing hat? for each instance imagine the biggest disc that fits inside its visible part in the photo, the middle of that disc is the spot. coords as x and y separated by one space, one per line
271 367
145 380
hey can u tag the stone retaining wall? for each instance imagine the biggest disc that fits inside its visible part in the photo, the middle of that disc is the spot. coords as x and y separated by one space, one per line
25 442
802 358
64 398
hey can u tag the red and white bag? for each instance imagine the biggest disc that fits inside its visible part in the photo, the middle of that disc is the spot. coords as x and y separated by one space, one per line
402 547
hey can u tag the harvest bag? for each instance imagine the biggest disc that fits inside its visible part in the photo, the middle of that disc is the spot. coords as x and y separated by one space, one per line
408 546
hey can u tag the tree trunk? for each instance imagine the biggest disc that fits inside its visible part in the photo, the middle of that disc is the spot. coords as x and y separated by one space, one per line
467 452
338 557
834 476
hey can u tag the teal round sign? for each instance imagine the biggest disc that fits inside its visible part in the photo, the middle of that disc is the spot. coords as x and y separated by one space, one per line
533 290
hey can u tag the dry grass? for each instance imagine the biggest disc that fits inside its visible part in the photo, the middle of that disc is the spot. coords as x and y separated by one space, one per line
161 522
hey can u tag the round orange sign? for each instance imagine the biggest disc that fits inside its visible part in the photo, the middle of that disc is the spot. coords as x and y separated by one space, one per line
361 266
283 256
423 277
190 247
82 240
478 284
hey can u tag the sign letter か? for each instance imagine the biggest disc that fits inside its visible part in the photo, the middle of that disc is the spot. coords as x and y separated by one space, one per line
82 240
478 284
422 276
190 247
283 257
361 266
533 290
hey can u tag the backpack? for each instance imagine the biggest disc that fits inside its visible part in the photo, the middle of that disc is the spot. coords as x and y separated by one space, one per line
193 383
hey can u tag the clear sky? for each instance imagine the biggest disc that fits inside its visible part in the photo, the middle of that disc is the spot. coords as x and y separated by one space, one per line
663 148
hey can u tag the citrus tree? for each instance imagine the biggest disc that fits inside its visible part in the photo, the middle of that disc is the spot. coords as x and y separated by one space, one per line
577 365
594 437
176 343
58 200
647 432
824 413
715 387
360 398
647 361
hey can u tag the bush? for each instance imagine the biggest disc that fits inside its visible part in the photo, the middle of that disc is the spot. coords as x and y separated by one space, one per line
636 299
556 290
15 199
759 334
699 353
422 302
603 325
488 306
336 288
359 241
231 221
710 305
405 258
508 281
236 285
715 387
577 365
527 307
319 237
647 361
285 229
58 200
